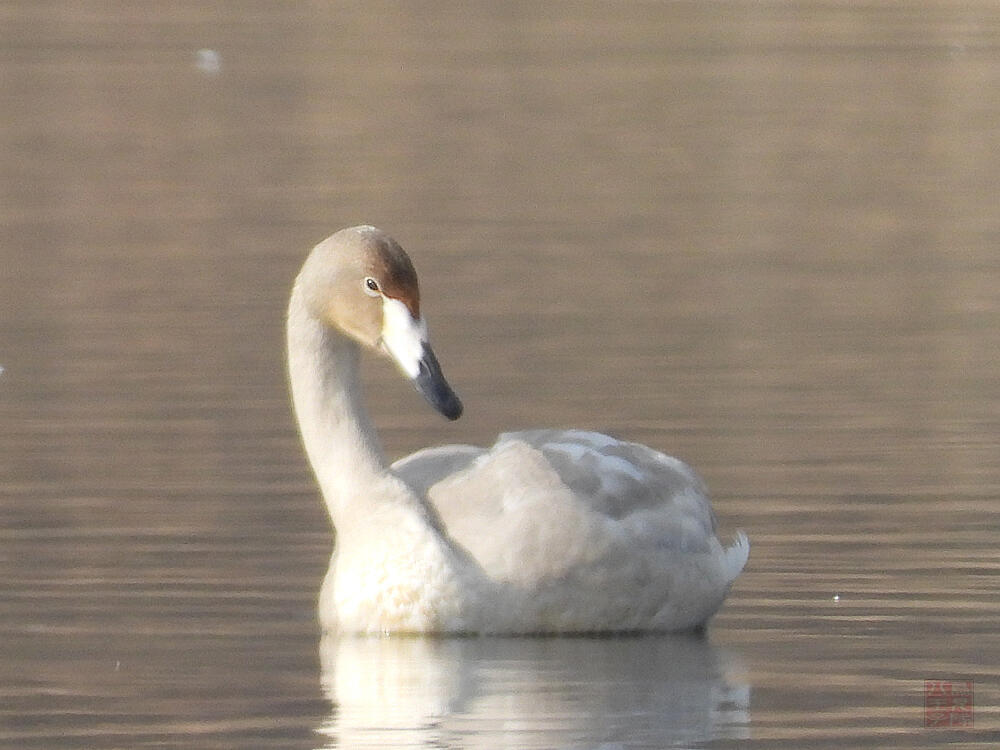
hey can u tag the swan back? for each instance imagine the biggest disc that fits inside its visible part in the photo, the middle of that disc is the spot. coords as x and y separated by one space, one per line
606 534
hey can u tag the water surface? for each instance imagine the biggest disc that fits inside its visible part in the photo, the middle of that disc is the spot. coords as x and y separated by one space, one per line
759 236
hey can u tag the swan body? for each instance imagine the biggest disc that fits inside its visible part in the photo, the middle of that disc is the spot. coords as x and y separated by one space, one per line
547 531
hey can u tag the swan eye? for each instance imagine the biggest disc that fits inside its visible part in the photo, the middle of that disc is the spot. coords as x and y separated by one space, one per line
371 287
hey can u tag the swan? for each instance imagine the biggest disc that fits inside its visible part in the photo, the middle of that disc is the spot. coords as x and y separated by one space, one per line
547 531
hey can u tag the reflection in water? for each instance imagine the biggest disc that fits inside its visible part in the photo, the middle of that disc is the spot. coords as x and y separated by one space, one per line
653 691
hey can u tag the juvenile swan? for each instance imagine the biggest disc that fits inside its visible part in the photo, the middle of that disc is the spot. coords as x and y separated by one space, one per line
548 531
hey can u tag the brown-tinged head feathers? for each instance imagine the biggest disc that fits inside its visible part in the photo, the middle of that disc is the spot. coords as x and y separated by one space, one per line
390 266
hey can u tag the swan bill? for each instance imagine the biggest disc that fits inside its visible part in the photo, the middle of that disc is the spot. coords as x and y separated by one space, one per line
432 386
404 338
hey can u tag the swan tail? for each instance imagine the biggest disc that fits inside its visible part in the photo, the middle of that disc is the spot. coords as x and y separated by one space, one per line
736 556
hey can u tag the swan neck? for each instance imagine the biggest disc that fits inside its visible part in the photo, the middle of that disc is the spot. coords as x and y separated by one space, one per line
339 439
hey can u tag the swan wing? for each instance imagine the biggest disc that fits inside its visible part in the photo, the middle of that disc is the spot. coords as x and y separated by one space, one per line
427 467
543 504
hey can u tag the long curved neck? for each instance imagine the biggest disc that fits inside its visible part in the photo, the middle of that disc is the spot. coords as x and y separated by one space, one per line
326 392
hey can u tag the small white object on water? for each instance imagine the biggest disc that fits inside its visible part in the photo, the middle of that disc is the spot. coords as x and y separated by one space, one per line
836 597
208 61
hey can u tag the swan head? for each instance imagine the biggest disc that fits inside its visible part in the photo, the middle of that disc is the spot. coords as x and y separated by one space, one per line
360 282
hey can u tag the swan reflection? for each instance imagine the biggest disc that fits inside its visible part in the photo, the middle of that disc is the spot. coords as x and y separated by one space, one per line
653 691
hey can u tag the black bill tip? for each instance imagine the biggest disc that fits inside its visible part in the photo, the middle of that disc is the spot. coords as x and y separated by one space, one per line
433 387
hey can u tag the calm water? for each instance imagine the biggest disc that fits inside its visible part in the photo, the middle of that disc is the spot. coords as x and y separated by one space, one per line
760 236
